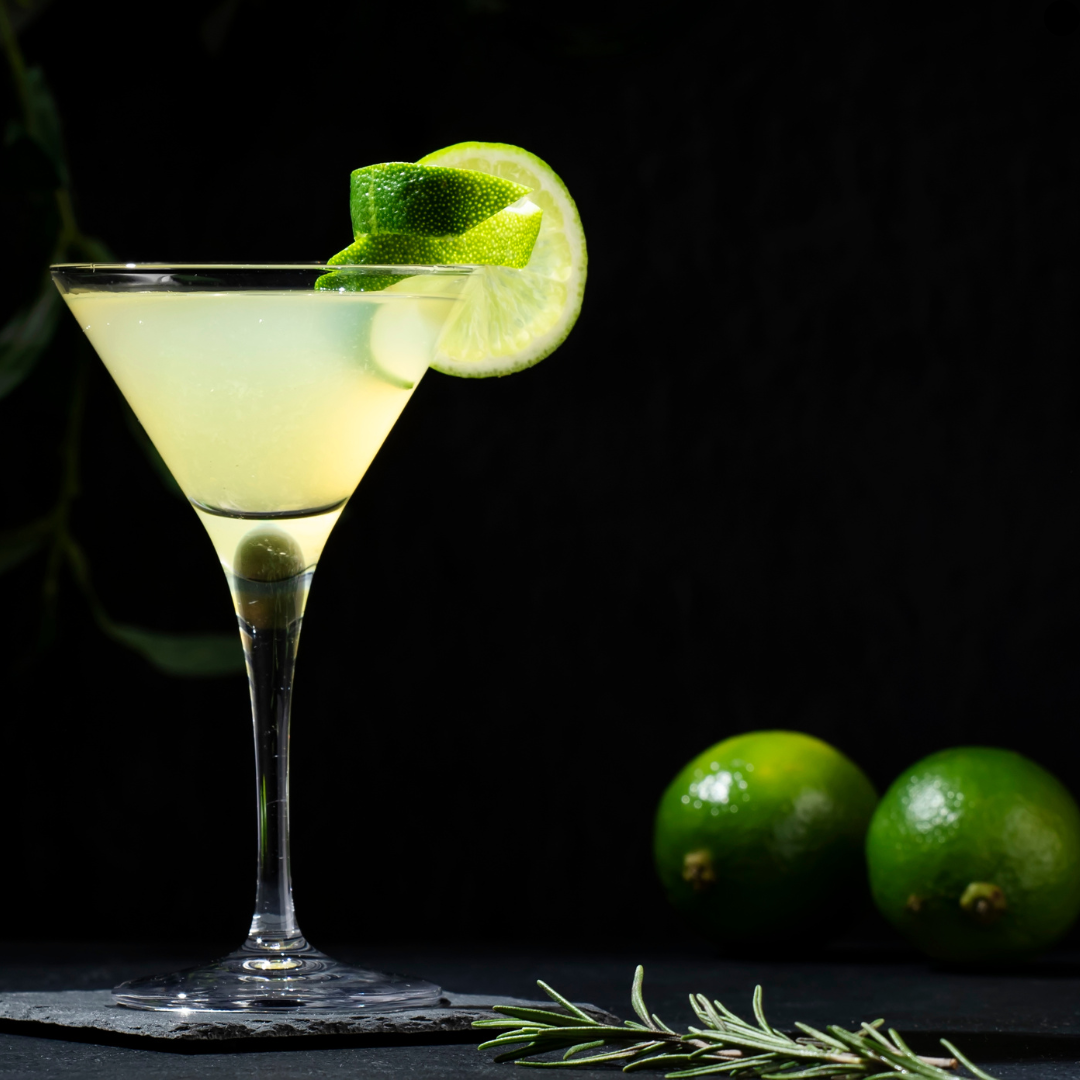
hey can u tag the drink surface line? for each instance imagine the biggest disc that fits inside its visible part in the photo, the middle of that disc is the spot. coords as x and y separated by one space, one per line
268 515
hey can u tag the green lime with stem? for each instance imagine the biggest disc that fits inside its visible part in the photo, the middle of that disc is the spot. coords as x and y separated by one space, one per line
761 838
974 855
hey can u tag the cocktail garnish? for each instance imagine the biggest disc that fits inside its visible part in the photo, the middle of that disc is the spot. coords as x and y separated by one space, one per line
268 553
267 588
529 249
407 214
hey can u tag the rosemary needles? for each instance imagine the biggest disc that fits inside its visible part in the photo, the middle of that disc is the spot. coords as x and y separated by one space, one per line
724 1044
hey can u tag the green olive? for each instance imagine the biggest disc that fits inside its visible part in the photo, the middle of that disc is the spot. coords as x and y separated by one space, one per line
268 554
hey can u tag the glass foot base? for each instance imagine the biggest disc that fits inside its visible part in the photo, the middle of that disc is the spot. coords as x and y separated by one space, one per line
251 980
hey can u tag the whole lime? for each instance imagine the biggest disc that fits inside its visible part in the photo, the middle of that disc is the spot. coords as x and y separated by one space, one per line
762 835
974 855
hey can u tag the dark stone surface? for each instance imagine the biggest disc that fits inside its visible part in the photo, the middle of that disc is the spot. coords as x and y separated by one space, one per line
1019 1025
22 1057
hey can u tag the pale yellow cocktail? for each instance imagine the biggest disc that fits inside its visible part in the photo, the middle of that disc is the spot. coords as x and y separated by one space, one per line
265 404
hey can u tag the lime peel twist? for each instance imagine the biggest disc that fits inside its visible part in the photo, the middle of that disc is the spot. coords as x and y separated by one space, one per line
425 200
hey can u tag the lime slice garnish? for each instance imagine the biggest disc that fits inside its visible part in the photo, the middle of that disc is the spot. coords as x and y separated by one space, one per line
426 200
406 328
395 334
512 318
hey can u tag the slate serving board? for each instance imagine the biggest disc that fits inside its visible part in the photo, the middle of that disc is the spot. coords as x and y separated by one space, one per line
90 1012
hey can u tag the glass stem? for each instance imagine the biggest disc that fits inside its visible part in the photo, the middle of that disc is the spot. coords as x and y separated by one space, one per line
270 614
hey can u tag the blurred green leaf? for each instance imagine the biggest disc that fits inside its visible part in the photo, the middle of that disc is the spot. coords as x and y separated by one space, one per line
26 335
43 123
150 450
17 545
192 655
38 224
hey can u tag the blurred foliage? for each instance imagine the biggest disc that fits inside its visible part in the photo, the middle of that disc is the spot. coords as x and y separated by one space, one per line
38 223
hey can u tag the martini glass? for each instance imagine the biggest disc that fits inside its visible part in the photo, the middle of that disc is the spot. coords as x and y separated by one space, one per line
268 397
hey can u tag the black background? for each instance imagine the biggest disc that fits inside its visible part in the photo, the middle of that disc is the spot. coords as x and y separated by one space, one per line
807 461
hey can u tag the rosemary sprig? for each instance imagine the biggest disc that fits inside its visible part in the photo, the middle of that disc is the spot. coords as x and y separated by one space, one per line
723 1044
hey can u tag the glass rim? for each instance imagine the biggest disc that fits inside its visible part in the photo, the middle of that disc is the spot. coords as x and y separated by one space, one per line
381 268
